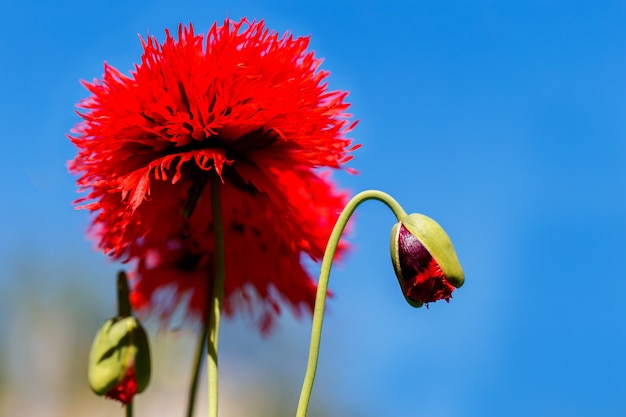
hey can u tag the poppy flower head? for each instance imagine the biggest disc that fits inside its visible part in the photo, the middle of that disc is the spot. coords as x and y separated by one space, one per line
244 96
243 103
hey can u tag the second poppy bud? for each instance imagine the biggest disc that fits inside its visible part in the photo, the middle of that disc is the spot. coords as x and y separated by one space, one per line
119 361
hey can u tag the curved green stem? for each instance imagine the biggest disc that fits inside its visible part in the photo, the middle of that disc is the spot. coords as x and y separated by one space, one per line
199 355
129 409
322 284
216 294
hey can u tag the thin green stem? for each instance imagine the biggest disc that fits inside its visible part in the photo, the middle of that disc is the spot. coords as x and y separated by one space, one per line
124 309
322 285
123 296
199 355
217 293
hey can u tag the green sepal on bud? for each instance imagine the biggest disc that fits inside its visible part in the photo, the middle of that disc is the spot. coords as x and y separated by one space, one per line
424 260
120 346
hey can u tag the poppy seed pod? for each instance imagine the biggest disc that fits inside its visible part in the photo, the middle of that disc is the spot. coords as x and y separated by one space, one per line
119 361
424 260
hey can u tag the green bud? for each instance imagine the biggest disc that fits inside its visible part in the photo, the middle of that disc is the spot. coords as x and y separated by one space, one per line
424 260
120 348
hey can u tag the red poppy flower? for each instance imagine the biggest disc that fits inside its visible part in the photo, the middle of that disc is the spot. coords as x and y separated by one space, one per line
243 103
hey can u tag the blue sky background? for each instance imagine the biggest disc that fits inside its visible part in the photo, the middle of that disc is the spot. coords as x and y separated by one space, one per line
505 121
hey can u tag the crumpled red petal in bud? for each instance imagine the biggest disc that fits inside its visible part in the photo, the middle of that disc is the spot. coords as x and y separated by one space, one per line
125 390
422 279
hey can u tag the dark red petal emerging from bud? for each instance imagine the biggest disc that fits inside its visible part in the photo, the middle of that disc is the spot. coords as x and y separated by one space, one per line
422 279
125 390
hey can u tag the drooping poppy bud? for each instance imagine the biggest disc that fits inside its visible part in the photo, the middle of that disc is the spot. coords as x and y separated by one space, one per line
119 361
424 260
